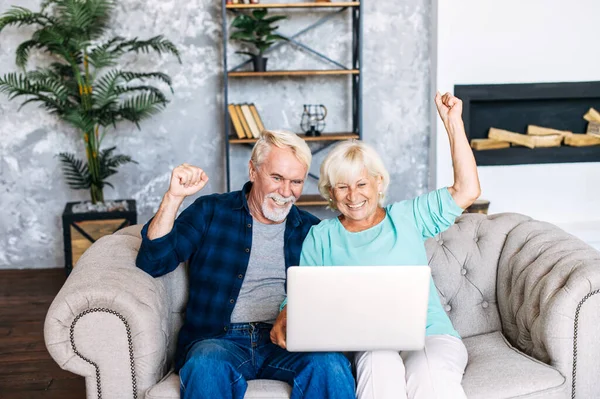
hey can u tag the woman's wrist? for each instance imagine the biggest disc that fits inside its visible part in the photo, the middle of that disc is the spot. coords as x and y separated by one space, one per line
455 126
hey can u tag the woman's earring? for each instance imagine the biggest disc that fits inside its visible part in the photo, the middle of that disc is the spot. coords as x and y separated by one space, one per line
330 199
381 193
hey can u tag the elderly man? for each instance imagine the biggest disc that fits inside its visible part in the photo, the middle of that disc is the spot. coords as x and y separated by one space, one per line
239 246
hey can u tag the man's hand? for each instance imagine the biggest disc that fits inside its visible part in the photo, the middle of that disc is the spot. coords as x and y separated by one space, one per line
186 180
279 330
449 108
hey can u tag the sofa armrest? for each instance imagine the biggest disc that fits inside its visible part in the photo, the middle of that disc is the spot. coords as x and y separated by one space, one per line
548 292
110 321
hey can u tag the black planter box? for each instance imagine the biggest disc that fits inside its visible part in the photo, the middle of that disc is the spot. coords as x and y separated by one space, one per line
81 230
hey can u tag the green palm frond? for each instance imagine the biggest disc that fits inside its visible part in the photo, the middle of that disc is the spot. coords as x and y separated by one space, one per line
23 52
45 81
52 40
16 85
54 87
108 53
140 107
144 89
41 74
109 163
104 92
156 43
20 16
109 115
131 76
76 171
101 11
86 18
64 70
109 87
81 120
46 4
75 14
50 36
103 55
55 40
69 85
65 74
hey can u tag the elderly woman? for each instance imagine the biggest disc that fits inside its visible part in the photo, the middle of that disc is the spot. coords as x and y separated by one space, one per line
354 181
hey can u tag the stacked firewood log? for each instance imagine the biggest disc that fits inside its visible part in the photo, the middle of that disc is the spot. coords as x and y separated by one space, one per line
538 136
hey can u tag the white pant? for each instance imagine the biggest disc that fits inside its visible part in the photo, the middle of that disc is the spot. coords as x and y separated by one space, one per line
432 373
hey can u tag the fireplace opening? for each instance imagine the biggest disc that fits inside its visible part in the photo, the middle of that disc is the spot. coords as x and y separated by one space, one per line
514 107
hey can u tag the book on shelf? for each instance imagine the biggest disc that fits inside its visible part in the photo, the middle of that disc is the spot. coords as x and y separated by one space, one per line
250 121
245 126
235 121
256 116
246 121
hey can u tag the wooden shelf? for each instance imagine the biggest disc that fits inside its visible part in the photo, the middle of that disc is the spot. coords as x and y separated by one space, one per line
311 200
332 4
322 137
294 73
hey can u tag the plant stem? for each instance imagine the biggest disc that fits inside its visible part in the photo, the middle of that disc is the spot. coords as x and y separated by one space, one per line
92 142
97 194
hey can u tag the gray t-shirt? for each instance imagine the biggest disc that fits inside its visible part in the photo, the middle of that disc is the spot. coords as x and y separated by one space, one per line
263 288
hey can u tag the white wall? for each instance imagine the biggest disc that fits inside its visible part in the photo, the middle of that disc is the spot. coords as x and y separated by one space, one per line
516 41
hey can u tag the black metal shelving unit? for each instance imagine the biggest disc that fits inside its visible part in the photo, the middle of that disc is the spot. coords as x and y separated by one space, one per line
338 69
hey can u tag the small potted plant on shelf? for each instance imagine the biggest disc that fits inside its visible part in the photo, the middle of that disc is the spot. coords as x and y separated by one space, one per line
257 30
83 87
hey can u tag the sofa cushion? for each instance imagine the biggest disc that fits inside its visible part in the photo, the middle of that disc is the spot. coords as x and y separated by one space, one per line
497 370
168 388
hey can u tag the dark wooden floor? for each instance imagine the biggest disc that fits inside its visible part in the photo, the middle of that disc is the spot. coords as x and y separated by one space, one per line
26 369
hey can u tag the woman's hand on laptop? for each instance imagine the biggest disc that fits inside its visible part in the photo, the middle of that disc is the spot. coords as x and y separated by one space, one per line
278 332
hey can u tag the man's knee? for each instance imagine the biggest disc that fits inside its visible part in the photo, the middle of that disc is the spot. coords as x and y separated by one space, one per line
207 355
210 348
329 363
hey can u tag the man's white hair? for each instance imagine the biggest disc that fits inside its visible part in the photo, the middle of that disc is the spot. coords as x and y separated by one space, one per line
281 139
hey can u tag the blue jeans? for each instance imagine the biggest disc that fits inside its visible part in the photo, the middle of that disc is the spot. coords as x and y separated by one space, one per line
220 368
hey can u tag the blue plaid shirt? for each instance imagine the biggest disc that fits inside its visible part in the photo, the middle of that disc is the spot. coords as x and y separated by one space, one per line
215 234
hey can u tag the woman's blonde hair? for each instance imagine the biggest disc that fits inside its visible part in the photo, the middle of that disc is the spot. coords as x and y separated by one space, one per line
345 162
281 139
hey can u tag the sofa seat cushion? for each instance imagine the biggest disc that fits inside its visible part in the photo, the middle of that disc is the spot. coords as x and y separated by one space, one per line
168 388
498 370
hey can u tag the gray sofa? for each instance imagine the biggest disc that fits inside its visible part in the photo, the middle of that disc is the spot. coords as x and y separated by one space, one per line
522 293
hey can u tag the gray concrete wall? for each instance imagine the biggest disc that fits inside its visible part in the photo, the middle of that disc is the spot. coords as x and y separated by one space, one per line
396 75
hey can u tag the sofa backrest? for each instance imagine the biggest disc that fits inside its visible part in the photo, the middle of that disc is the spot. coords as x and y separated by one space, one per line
464 264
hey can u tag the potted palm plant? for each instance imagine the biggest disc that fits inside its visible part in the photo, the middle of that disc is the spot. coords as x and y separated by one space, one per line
82 85
78 88
256 30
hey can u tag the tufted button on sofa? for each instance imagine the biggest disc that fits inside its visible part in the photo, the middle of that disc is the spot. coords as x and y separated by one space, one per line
523 294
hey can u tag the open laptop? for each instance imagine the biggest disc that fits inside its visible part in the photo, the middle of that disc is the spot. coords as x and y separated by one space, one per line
357 308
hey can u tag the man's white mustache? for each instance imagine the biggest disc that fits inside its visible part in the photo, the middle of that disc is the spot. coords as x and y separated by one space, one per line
279 198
